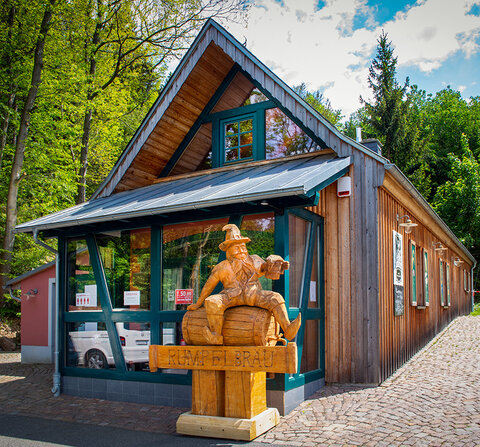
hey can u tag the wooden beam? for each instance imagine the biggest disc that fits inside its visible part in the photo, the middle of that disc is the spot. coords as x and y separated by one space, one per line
277 359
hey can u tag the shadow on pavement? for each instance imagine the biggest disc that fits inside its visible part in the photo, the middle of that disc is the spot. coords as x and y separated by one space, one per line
24 431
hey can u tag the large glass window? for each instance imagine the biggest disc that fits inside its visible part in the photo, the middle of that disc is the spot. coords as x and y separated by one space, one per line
283 137
88 345
260 228
81 285
298 230
311 347
190 251
126 262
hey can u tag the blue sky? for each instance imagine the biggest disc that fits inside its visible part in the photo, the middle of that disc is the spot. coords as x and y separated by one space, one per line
330 44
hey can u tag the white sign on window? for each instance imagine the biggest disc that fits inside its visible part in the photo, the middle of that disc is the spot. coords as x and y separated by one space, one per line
131 298
171 295
92 291
82 299
313 291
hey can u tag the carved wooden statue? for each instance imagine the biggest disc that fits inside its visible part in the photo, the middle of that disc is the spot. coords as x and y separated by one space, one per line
229 381
239 275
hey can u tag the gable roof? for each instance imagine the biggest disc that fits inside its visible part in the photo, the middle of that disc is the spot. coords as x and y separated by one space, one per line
199 74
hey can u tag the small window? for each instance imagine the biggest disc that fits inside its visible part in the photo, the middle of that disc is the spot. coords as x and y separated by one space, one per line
238 139
442 283
413 273
449 291
426 288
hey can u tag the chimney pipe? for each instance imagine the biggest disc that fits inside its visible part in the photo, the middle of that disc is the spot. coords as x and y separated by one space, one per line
359 134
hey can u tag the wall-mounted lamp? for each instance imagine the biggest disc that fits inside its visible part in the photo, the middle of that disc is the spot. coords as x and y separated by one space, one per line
439 247
457 261
408 224
31 292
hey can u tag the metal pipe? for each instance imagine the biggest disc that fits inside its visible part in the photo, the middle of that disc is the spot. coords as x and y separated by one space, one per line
12 296
56 354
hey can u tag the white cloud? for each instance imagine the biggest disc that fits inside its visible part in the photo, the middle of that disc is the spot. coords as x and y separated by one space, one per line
302 43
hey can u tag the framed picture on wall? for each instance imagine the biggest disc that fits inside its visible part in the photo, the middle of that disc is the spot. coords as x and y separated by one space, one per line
413 273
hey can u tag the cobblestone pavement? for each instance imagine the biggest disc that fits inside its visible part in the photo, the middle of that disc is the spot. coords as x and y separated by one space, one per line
433 400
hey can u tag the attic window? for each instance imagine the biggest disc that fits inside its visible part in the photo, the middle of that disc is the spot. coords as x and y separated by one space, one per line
238 139
255 97
284 137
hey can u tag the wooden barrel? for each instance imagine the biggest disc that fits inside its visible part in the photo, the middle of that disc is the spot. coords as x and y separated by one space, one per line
243 326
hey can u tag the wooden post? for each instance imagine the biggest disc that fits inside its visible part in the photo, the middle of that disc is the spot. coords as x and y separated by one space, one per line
245 394
208 393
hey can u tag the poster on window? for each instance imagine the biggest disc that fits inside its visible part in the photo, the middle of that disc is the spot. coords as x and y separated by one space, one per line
131 298
88 298
183 296
397 259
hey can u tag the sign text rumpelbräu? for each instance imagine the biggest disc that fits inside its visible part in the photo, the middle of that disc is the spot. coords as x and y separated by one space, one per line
275 359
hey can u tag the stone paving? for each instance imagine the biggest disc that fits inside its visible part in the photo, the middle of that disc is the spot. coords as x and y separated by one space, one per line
433 400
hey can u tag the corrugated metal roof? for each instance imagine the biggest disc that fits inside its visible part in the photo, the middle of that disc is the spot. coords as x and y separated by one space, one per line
278 178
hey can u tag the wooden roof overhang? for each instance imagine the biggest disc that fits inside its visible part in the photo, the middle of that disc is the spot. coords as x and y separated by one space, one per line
290 181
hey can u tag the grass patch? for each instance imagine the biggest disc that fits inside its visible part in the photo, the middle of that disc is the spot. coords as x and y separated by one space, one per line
476 310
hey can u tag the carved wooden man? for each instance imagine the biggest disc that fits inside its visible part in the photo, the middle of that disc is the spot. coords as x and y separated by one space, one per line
240 274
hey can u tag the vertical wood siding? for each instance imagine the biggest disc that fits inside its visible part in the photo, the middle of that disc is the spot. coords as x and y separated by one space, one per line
402 336
351 277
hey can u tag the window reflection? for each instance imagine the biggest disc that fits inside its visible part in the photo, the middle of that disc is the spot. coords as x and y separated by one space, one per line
283 137
126 261
260 228
190 251
298 229
88 345
81 285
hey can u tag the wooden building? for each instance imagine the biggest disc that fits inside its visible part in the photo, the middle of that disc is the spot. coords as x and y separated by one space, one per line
374 271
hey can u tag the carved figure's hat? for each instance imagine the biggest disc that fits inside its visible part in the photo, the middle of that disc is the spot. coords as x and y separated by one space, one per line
232 237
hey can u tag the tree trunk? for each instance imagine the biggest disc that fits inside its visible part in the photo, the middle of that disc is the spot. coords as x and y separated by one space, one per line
4 128
16 174
11 97
87 121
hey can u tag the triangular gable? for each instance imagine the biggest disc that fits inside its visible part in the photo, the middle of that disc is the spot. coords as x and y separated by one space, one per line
199 75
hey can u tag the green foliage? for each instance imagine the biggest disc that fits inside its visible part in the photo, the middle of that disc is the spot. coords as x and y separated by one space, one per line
387 115
462 188
9 308
319 103
476 310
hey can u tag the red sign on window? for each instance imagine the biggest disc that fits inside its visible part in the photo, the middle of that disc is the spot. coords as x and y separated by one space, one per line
183 296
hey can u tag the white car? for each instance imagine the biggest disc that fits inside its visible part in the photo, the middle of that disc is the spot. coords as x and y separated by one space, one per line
93 348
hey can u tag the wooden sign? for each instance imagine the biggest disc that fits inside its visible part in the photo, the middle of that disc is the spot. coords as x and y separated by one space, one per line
275 359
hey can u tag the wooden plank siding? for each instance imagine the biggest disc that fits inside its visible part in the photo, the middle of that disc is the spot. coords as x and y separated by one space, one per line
351 277
402 336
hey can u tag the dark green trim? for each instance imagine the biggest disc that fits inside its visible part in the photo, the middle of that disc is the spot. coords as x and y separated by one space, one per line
200 120
105 303
249 109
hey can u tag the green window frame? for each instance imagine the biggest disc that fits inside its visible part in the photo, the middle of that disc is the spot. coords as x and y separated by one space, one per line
413 273
156 317
238 138
426 286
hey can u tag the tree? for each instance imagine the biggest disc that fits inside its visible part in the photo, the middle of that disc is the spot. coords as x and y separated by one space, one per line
319 103
21 139
124 34
387 114
458 200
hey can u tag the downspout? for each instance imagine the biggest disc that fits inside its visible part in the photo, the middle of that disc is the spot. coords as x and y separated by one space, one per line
56 372
471 284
